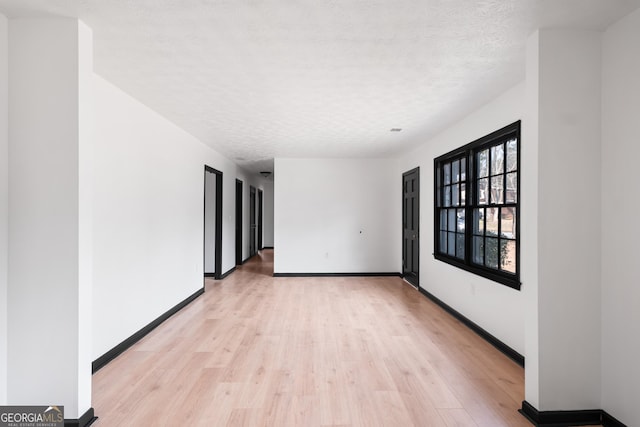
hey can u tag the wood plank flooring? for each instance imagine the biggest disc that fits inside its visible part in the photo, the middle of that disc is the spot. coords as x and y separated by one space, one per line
255 350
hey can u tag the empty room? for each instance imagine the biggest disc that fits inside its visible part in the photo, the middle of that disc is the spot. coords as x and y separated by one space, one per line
319 213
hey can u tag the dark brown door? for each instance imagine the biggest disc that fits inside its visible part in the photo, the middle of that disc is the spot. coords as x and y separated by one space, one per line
410 226
259 219
238 222
252 221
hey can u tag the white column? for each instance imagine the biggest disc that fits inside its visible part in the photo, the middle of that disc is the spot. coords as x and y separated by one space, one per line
620 235
529 219
4 202
563 293
49 290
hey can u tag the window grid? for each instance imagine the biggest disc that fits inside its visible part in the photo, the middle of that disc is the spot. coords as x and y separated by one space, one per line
453 199
500 246
477 210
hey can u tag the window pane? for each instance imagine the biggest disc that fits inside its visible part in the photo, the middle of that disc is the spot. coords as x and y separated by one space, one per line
492 252
478 250
483 163
492 221
512 188
443 242
508 256
443 219
483 194
455 171
455 197
447 173
478 221
463 194
512 155
461 223
497 159
447 195
451 245
452 220
496 189
463 169
460 245
508 222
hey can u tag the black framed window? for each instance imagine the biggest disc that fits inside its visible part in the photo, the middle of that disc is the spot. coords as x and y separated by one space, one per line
477 211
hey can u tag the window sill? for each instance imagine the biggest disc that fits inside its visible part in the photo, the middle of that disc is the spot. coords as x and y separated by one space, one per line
512 282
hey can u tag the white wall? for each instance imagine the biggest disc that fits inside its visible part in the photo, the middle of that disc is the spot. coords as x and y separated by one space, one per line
620 234
495 307
336 216
49 354
210 223
148 215
4 202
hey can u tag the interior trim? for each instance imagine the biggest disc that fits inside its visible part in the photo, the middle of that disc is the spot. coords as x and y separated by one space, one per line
568 418
505 349
336 274
227 273
103 360
85 419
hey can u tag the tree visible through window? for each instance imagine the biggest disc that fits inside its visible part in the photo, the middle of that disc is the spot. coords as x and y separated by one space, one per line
476 206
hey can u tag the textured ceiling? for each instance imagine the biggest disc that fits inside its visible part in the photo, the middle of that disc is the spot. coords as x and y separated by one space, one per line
316 78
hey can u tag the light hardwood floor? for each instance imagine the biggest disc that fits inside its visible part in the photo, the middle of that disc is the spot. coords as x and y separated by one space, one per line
256 350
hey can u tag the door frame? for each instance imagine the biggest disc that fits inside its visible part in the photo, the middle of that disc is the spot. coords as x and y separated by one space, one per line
239 191
417 172
217 274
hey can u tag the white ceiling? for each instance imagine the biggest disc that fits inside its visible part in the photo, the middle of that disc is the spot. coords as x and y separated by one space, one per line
316 78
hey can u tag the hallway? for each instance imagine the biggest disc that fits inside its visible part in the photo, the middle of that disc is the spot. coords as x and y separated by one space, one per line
258 350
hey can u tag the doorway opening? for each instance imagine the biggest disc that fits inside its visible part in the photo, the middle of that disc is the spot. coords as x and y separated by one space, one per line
411 226
212 254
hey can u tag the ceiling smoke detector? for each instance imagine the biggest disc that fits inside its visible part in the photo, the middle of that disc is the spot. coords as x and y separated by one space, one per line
396 129
265 174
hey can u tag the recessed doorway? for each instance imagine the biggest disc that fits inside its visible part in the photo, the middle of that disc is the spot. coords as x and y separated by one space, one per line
238 222
212 254
252 221
260 219
411 226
